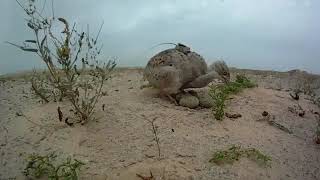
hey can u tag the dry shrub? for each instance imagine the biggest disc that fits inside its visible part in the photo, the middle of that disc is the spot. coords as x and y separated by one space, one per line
304 82
63 51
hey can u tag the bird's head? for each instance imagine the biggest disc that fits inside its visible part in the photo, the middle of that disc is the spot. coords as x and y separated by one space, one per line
222 69
183 48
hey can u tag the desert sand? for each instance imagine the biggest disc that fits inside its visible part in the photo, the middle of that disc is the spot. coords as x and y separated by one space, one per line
119 143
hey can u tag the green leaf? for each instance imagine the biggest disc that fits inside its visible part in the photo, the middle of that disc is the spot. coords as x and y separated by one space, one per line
31 41
29 49
30 25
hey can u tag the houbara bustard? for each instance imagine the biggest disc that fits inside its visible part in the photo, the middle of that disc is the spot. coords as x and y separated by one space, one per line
176 69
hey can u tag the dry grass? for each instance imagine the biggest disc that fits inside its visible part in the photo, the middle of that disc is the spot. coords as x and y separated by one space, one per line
63 53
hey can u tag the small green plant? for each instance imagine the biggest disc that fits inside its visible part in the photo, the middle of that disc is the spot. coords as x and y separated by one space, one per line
46 167
244 81
234 153
220 93
218 98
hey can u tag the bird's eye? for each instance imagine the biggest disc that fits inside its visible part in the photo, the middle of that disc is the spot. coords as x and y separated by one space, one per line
170 64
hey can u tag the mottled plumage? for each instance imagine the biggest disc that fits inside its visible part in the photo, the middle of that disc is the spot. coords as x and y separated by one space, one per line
176 69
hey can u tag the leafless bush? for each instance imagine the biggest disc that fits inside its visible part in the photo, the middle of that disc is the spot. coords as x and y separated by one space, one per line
62 53
304 82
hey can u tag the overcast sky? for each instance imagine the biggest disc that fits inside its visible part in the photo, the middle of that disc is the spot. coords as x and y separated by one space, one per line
261 34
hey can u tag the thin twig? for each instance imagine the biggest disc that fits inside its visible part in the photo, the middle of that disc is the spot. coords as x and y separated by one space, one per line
27 10
155 133
95 41
36 90
145 177
44 5
6 136
34 123
52 8
20 5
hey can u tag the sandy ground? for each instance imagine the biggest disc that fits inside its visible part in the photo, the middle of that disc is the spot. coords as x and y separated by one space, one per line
120 143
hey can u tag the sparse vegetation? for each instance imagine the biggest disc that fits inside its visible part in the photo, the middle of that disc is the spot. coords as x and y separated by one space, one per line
234 153
62 53
47 167
155 133
220 93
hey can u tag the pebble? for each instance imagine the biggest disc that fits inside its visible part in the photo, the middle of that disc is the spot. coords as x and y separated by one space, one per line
189 101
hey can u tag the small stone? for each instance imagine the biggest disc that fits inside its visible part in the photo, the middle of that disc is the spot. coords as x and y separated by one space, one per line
181 162
205 100
265 113
149 156
19 114
197 169
189 101
149 145
233 116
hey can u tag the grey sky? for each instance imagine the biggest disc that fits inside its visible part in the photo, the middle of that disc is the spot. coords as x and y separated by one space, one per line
260 34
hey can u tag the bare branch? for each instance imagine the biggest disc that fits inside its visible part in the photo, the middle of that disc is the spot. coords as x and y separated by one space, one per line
52 9
155 133
95 41
44 5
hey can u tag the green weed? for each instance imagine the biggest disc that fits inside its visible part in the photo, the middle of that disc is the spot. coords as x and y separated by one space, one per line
46 167
220 93
234 153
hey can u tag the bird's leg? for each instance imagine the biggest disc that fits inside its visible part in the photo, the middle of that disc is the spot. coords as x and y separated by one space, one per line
165 95
172 99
